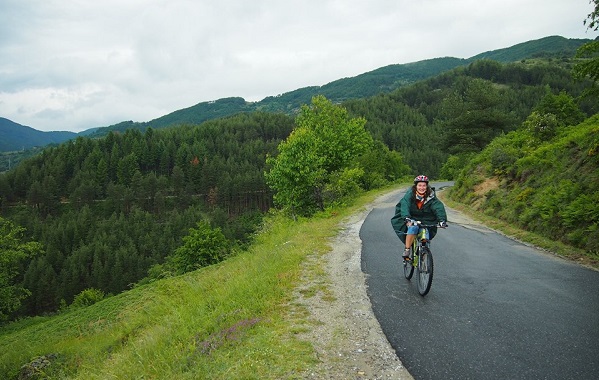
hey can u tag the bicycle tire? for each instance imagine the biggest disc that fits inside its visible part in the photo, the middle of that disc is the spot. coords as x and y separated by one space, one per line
425 271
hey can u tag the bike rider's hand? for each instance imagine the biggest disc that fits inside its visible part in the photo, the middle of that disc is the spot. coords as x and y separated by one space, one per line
443 224
409 221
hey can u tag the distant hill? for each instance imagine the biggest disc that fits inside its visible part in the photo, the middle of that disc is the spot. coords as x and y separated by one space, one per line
548 47
382 80
15 136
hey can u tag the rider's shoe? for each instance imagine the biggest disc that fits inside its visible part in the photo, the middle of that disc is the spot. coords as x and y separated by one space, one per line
406 254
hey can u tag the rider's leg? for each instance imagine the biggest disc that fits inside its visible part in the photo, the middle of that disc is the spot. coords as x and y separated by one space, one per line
409 240
410 236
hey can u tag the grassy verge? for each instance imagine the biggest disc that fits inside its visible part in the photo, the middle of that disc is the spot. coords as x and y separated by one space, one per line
556 247
232 320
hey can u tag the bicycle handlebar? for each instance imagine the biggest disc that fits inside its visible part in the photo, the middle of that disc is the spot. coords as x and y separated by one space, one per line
438 225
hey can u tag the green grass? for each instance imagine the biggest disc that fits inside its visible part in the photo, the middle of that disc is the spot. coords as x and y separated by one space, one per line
236 319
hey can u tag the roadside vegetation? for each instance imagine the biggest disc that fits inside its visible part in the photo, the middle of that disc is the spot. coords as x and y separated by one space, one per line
232 320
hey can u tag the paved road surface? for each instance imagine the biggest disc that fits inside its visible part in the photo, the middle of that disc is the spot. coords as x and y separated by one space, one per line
497 308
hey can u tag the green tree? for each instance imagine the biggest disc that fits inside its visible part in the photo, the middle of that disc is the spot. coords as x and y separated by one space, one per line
474 117
127 168
13 250
563 106
588 66
593 17
203 246
326 141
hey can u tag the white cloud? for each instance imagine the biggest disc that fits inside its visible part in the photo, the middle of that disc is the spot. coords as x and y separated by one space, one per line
82 64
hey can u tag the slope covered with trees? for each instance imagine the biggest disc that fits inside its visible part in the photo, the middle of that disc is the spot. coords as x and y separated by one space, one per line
542 177
456 114
112 211
107 210
379 81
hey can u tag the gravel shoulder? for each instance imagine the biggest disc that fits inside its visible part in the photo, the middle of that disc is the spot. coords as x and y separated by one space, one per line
348 339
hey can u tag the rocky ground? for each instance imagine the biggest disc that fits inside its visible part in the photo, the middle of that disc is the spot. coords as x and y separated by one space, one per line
348 338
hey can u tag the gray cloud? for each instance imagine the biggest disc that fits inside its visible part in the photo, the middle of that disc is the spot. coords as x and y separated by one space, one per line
78 65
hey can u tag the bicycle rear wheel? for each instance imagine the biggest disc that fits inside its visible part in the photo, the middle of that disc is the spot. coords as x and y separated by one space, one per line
408 268
425 271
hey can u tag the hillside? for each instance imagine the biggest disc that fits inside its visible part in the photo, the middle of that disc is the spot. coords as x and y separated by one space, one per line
15 136
382 80
548 47
541 179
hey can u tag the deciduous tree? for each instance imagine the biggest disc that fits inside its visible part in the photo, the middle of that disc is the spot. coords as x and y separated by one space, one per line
588 67
13 250
326 141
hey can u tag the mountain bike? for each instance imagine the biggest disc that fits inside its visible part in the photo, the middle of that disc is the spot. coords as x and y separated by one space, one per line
421 259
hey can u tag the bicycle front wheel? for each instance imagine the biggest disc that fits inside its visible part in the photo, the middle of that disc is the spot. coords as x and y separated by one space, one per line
425 271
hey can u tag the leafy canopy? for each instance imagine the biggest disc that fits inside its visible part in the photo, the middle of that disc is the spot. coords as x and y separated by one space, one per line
325 143
12 252
202 247
588 67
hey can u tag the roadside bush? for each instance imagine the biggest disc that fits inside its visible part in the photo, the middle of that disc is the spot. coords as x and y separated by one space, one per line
343 186
202 247
87 297
454 165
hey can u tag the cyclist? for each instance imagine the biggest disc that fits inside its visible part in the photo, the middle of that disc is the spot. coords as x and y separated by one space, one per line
419 203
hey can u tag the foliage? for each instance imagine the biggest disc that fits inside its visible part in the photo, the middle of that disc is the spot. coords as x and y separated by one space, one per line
427 121
343 185
107 210
593 17
203 246
473 116
454 165
13 252
87 297
545 185
588 66
380 166
325 143
563 106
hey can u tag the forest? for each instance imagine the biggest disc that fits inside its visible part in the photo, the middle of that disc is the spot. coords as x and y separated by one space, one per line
106 210
109 211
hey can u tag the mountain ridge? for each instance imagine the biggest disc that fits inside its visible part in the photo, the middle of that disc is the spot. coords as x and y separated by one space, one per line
14 136
381 80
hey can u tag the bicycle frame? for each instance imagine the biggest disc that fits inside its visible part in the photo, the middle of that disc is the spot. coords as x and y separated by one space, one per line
421 240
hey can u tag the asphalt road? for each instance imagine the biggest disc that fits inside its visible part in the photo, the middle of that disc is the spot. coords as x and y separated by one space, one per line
497 309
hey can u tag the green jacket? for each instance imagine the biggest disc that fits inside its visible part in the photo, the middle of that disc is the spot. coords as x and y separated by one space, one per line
432 212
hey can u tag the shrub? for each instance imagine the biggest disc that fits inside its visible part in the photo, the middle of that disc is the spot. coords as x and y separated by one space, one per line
202 247
87 297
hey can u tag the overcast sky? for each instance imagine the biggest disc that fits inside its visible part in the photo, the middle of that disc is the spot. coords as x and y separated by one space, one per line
78 64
